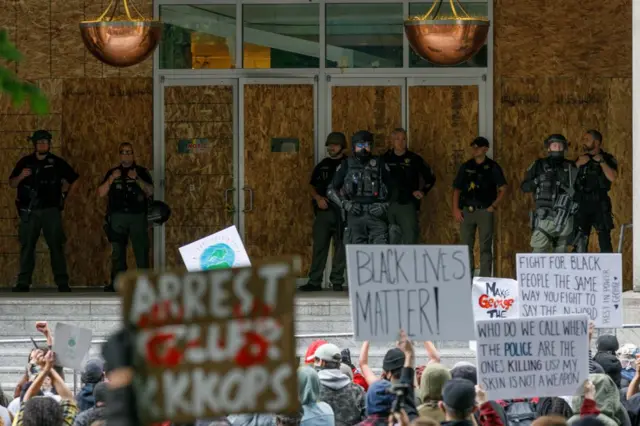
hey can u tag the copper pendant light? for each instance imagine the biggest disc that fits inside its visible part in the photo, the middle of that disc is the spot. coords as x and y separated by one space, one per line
121 41
445 40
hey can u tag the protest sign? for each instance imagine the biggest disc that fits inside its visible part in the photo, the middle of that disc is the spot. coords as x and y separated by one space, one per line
424 290
564 284
533 357
213 343
494 298
71 344
221 250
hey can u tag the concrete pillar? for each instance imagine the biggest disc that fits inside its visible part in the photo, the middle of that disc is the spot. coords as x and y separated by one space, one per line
636 142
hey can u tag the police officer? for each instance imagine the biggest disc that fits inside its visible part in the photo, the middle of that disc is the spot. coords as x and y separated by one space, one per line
129 187
477 190
551 180
412 180
327 224
597 170
43 181
360 188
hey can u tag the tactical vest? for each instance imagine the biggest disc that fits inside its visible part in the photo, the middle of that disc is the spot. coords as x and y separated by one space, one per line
125 195
549 190
591 179
363 183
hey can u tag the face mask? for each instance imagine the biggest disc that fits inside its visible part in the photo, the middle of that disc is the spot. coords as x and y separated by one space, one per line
556 155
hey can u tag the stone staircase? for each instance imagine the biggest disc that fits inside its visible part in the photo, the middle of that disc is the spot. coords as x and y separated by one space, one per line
316 315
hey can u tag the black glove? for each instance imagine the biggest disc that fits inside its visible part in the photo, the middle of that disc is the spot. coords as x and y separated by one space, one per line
351 207
378 209
346 358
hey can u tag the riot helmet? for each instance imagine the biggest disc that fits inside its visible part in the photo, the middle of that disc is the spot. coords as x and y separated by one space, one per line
336 142
555 141
158 213
41 140
362 143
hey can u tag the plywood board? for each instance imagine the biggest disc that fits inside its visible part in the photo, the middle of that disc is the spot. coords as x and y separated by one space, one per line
34 39
377 109
443 122
531 109
67 58
281 219
197 181
562 38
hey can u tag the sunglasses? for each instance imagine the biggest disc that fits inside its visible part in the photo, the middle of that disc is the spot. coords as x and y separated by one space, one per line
126 152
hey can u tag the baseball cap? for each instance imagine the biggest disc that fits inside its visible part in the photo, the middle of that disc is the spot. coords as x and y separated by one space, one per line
328 352
459 395
393 360
480 142
309 356
40 135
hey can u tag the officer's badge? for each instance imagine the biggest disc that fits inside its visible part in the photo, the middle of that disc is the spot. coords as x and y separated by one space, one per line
373 163
407 161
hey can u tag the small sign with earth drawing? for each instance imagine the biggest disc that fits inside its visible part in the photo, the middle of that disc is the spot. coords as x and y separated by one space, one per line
221 250
71 344
213 343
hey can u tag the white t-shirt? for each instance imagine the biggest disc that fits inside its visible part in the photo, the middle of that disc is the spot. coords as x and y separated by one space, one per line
4 417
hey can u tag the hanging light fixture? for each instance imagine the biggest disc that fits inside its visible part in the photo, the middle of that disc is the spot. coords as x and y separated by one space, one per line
446 40
121 41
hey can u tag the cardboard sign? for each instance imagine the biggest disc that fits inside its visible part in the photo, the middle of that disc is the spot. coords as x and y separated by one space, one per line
221 250
533 357
410 287
213 343
71 345
565 284
494 298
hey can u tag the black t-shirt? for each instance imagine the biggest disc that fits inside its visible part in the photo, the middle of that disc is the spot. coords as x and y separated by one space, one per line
409 173
43 189
323 174
479 183
125 195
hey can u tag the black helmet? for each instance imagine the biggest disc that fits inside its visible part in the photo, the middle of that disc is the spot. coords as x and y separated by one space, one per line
336 138
158 213
362 136
39 135
556 137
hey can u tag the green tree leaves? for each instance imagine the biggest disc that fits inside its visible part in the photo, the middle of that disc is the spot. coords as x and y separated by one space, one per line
19 91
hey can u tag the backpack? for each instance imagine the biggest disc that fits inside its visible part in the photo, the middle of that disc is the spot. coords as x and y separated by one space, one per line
520 413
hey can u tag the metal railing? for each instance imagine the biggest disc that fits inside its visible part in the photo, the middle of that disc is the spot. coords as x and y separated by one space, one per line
621 237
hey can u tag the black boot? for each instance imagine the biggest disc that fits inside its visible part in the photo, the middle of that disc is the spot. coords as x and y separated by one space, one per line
109 288
310 287
20 289
64 289
337 287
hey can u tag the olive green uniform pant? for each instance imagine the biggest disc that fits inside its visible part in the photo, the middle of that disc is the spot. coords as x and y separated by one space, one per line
545 239
125 226
482 221
403 224
326 226
49 223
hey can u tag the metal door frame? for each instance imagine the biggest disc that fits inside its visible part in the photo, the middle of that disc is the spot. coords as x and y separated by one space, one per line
159 149
290 81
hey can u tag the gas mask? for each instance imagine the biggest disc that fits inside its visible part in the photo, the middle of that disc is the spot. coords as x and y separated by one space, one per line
362 149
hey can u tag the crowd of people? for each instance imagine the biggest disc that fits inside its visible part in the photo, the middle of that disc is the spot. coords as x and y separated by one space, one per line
335 391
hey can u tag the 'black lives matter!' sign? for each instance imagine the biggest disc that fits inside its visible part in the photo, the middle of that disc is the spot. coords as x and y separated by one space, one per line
533 357
424 290
566 284
213 343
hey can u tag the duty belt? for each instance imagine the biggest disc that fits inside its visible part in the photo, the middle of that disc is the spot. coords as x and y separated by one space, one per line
471 209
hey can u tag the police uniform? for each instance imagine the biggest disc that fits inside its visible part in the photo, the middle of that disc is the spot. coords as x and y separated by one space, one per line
327 225
409 173
127 218
478 185
40 203
551 180
360 188
594 204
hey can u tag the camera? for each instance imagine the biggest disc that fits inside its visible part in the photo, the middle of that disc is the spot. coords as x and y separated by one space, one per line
400 390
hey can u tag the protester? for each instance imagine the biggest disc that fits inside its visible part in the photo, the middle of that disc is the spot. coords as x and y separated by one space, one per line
97 412
600 397
315 412
434 377
379 403
458 403
92 375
